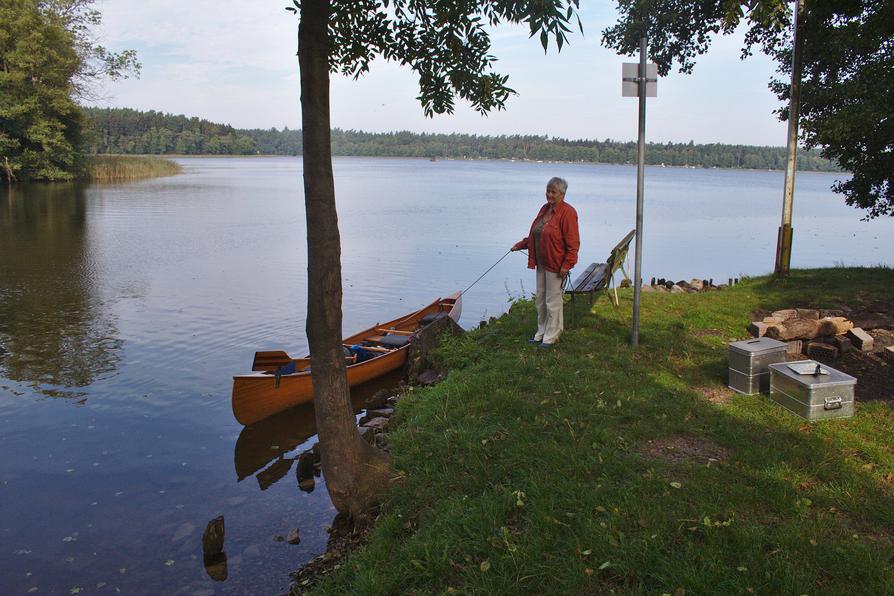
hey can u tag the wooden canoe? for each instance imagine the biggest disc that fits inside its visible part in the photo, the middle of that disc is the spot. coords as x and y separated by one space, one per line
280 382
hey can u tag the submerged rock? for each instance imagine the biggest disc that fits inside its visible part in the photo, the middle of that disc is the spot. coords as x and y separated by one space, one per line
294 536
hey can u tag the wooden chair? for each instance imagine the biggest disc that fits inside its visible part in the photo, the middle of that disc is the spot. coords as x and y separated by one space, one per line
601 276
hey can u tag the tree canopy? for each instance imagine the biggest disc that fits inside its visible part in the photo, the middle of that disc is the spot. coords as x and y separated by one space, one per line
48 60
446 43
847 83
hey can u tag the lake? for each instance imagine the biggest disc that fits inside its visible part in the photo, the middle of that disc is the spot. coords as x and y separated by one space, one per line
126 309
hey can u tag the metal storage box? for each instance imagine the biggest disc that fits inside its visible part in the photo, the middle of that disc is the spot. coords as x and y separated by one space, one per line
812 396
748 362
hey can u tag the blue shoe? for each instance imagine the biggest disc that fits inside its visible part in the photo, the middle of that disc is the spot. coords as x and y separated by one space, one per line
546 346
533 341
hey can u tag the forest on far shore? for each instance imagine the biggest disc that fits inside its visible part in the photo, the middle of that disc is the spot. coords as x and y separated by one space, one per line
126 131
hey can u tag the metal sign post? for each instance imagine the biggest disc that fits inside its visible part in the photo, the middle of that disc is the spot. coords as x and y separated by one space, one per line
639 80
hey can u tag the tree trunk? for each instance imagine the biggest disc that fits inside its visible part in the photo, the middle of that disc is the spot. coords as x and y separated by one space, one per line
355 472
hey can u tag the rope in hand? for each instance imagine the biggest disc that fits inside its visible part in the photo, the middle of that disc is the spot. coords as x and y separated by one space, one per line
486 272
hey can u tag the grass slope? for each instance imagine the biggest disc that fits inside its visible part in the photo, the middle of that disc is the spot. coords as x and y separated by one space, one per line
526 470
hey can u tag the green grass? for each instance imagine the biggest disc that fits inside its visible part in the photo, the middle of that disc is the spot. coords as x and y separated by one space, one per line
120 168
523 472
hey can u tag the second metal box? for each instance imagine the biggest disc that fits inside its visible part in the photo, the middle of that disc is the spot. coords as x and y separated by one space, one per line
812 396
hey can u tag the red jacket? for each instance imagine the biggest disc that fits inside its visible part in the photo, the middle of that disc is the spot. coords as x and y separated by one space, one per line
559 241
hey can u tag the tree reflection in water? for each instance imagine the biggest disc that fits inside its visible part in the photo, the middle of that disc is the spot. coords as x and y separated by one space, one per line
269 448
55 331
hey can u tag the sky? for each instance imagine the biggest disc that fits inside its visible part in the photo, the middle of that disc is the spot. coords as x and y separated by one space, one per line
234 62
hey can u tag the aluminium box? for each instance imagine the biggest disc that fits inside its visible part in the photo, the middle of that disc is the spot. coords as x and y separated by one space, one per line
749 361
812 397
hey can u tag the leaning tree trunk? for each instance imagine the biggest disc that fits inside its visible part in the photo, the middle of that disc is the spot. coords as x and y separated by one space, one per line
355 471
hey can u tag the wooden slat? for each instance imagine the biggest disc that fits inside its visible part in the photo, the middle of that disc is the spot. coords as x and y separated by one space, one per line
394 332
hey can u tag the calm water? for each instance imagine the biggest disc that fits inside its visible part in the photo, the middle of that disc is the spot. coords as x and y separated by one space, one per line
125 309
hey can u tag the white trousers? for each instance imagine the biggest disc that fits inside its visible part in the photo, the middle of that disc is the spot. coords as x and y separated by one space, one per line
550 319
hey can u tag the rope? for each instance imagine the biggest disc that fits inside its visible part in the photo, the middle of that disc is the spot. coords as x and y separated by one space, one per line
485 273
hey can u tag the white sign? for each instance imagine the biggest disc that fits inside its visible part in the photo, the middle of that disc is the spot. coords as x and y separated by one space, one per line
630 79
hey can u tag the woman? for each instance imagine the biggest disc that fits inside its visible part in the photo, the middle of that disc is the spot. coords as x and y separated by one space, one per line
552 246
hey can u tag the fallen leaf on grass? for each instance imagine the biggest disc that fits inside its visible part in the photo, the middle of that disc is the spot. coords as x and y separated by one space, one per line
485 565
676 484
604 565
588 571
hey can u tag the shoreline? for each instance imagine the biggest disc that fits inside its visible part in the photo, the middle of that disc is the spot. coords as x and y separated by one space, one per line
486 159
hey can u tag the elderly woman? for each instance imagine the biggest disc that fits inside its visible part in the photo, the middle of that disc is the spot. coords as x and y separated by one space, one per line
552 246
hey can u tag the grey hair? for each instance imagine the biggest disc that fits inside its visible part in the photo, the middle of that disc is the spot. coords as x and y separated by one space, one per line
558 183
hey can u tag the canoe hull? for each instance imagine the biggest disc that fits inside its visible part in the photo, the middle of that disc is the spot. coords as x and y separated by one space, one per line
257 395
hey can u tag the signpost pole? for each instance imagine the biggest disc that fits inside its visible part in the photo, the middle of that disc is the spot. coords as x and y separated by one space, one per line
640 173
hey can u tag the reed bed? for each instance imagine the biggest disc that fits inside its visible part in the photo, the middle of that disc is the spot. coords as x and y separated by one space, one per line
118 168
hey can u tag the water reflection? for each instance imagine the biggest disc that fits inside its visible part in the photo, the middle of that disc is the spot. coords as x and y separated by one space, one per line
214 557
55 332
268 449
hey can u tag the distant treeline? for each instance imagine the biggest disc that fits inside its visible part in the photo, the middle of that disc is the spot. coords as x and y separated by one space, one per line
124 131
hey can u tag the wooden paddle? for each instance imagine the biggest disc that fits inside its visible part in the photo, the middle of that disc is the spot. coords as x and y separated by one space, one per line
270 361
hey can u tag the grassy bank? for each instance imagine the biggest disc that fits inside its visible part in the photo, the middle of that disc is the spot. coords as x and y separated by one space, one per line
551 472
121 168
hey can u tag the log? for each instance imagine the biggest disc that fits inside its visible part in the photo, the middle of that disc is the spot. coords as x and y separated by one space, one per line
807 313
785 315
794 329
834 326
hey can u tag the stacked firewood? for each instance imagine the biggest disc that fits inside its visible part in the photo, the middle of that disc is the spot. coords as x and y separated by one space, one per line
812 331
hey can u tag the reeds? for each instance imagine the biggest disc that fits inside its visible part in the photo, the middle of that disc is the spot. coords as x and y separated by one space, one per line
118 168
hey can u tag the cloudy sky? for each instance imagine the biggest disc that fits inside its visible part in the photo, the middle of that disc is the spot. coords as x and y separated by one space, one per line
233 61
